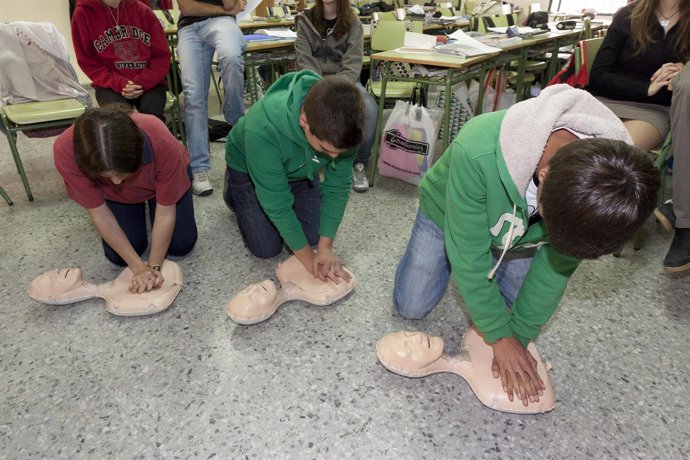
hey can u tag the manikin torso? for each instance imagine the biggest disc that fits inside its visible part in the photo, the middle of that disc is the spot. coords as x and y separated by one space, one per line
259 301
415 354
67 285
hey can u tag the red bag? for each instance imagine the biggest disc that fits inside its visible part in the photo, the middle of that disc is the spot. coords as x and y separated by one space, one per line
568 74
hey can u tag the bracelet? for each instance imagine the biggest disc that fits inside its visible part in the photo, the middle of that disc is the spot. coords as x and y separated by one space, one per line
156 268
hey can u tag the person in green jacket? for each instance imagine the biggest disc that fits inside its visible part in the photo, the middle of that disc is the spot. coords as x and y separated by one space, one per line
302 125
512 206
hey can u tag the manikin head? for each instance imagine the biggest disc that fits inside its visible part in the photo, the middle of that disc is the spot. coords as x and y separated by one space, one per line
410 350
332 116
258 295
56 285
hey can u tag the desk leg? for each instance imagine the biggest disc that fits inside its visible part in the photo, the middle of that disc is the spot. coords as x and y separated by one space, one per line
553 64
480 96
520 87
377 139
446 109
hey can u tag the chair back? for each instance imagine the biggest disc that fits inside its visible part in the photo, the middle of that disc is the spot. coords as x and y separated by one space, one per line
585 53
446 10
388 35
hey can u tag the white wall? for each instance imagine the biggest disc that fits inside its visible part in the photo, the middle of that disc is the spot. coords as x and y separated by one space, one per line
55 11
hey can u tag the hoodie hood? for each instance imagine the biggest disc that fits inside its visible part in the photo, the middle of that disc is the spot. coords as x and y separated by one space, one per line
287 96
555 107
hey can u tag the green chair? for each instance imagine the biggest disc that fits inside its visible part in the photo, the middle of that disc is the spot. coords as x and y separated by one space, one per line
30 116
389 35
6 196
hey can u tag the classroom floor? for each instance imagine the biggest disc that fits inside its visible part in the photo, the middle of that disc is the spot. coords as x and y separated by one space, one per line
189 383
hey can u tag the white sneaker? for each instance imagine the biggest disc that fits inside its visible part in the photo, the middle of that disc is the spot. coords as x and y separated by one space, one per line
359 179
200 184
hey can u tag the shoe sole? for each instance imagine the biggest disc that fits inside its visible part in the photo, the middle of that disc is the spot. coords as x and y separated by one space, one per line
203 193
663 220
682 268
360 190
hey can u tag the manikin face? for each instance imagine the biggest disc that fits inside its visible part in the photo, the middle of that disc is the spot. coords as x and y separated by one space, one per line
56 283
258 294
410 349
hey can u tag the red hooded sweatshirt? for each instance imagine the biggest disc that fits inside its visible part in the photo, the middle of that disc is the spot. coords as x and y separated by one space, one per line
115 45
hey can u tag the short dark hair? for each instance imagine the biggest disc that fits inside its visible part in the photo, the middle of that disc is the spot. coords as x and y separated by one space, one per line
596 194
107 139
335 112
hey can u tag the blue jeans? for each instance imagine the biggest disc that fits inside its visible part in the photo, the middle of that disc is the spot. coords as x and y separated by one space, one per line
132 220
258 232
423 272
371 112
197 44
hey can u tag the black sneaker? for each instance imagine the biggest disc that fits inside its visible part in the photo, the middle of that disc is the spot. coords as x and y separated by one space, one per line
665 215
678 256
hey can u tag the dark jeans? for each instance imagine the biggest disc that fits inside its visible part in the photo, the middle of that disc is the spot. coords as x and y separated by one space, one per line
258 232
132 220
151 101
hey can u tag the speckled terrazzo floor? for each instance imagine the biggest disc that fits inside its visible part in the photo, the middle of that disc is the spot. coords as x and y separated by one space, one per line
78 382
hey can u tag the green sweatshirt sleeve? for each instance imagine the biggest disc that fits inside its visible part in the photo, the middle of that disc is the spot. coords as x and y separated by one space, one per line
541 292
272 188
468 245
335 190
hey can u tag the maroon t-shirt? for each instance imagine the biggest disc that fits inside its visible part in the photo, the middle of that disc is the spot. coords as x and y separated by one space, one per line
163 176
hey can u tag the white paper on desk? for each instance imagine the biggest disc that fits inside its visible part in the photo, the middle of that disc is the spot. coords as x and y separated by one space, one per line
420 41
245 15
416 9
521 30
278 32
465 46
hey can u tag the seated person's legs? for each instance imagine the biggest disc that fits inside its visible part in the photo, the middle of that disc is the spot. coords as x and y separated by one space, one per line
258 232
132 220
678 257
153 102
371 112
423 272
106 96
645 135
308 207
227 39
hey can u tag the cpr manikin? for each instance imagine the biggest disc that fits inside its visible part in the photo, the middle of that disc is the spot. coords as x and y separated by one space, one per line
66 285
415 354
259 301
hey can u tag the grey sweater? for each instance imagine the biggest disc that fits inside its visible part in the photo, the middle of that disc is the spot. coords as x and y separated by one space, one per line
329 56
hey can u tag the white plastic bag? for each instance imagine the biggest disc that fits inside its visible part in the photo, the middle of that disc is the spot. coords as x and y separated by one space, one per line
408 141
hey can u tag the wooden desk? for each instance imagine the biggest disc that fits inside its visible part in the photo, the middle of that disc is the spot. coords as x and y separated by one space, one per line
459 69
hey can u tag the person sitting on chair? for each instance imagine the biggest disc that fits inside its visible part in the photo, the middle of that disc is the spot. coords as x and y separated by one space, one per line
120 45
642 74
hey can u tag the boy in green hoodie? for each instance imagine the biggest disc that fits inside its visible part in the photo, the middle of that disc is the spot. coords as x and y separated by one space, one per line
530 206
303 124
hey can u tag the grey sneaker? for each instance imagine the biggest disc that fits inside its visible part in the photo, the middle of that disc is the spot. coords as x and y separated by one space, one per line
359 179
665 215
200 184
